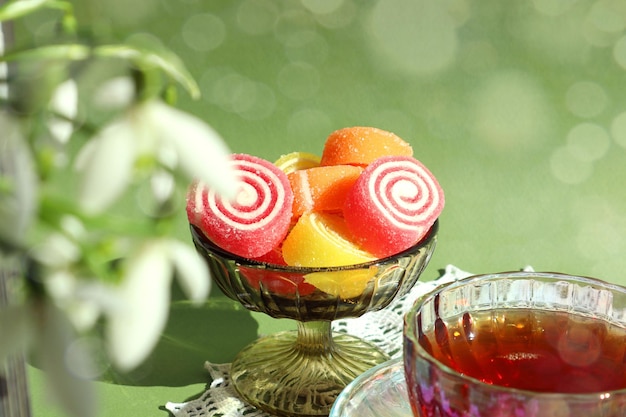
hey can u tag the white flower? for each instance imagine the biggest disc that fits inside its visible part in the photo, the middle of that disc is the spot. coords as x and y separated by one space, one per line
136 310
115 93
162 185
82 300
151 129
192 271
135 325
18 183
56 251
106 164
64 103
202 153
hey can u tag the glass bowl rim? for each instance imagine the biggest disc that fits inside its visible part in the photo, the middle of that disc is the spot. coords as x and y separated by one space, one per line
347 395
199 238
556 276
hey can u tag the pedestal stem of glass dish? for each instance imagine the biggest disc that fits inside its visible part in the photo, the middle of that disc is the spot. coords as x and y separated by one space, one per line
315 338
301 372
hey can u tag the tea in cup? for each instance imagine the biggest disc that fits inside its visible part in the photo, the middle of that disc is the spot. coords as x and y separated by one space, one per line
518 344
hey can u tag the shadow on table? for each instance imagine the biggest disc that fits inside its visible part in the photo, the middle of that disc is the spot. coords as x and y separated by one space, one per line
213 332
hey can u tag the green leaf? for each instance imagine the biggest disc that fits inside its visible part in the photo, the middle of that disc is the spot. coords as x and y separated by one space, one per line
18 8
67 52
164 60
144 59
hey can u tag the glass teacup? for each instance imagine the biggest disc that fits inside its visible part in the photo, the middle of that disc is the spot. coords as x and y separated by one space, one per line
518 344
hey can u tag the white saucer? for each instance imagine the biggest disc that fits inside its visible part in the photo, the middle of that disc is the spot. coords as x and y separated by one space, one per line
380 391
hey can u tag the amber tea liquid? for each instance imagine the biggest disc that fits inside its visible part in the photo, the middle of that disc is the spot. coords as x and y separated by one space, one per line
546 351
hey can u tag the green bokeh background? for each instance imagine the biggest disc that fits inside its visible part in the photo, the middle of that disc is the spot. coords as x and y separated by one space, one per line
518 107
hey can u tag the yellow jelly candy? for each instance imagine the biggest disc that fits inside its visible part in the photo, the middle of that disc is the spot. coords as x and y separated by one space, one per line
322 240
296 161
344 284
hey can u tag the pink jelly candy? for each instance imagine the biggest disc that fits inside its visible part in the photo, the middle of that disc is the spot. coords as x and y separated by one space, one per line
257 220
392 205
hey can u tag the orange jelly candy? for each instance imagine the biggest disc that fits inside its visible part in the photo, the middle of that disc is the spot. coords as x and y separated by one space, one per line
362 145
322 188
322 240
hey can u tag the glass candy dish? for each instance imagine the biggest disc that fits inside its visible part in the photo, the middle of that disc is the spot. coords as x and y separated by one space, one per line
301 372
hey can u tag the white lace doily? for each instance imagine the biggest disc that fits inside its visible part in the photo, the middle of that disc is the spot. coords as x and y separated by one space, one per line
382 328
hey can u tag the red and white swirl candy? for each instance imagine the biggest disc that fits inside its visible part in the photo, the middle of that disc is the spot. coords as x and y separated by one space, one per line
257 220
392 205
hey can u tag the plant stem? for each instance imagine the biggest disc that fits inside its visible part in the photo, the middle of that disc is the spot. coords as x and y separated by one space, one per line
14 395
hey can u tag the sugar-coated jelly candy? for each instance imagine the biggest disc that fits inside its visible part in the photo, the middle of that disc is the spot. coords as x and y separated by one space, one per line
321 240
322 188
349 283
361 145
274 257
295 161
392 205
277 282
258 218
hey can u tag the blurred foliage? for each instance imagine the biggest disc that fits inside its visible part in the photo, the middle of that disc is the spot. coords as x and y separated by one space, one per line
95 164
515 106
